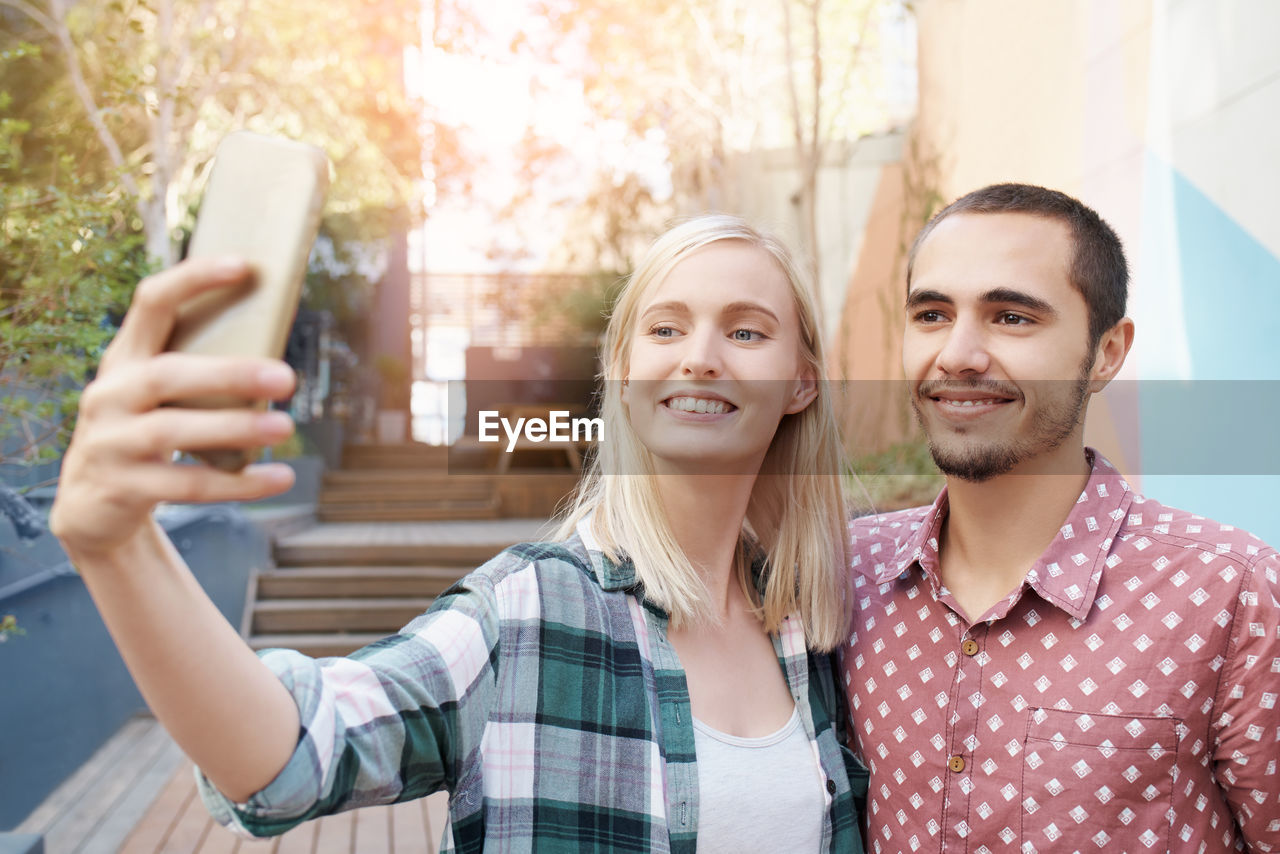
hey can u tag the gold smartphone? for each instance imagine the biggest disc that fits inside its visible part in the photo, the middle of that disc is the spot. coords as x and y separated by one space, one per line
263 204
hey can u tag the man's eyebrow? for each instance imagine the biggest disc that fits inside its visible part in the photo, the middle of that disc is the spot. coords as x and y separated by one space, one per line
1016 297
924 295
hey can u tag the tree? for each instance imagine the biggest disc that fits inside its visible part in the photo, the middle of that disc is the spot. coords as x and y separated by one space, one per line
106 134
69 258
731 77
158 83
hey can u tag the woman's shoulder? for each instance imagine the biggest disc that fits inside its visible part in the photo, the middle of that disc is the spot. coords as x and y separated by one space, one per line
540 558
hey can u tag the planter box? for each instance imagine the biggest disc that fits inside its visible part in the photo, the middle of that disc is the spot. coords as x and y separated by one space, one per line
21 843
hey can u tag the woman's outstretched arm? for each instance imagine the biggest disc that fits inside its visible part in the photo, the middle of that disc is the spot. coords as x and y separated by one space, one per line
226 710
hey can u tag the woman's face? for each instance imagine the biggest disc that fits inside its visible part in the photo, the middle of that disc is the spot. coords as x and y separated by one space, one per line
715 361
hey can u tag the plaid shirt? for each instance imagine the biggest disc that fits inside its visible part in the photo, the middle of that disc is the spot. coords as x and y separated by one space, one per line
541 691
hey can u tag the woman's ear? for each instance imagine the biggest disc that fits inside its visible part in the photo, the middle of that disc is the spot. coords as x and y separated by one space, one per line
803 394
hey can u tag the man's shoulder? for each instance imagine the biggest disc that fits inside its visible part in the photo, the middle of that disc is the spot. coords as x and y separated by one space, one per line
1152 520
893 525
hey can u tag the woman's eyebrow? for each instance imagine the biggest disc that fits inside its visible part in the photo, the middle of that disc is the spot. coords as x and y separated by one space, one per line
744 307
668 306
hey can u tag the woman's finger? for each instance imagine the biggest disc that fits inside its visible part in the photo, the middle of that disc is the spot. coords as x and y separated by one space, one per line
153 313
141 385
157 434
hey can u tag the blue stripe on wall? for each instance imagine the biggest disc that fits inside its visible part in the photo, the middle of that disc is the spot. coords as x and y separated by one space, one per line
1230 293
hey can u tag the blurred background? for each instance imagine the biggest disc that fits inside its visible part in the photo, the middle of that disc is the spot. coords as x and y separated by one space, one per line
499 165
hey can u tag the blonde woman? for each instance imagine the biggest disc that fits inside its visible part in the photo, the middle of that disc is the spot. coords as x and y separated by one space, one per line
654 679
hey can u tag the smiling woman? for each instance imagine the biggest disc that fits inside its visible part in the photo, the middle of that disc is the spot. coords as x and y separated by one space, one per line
606 687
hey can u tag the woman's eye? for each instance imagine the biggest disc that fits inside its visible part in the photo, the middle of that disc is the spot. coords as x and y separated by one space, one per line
663 332
747 335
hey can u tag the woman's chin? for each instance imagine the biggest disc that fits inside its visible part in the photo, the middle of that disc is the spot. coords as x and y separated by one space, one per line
710 460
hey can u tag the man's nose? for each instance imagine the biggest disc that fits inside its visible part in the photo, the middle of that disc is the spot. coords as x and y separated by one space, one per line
964 351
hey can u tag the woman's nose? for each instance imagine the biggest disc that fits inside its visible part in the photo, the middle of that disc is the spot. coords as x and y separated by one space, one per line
701 356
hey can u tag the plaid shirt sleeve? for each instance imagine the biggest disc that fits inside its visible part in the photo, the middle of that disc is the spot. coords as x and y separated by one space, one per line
399 719
1247 718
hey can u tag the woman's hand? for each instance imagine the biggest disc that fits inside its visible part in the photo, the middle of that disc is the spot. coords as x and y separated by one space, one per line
120 461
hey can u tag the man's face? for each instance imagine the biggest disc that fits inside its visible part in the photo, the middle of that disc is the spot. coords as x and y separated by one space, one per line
996 346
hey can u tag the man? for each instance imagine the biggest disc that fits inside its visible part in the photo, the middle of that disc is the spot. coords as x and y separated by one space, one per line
1044 660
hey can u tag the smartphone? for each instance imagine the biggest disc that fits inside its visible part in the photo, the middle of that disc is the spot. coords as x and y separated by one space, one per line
262 203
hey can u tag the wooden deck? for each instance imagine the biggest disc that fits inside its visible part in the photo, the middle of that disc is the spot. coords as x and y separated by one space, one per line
178 823
137 795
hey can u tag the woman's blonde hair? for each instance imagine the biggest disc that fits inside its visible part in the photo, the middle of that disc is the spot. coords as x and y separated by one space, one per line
796 512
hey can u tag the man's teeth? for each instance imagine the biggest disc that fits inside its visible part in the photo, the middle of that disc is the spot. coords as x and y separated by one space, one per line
698 404
987 402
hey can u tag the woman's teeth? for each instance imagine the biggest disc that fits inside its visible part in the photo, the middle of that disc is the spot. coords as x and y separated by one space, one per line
698 404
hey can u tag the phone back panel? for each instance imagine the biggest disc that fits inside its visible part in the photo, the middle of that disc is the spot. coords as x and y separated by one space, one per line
263 204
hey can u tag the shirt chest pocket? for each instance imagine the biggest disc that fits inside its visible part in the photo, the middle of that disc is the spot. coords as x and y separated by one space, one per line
1094 782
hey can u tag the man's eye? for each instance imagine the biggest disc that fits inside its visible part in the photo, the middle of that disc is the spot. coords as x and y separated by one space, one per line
1009 318
929 316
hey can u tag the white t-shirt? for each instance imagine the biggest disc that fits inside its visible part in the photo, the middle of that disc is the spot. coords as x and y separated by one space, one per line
758 794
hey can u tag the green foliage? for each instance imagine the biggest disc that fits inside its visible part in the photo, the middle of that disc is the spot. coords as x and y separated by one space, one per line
107 132
69 257
902 475
9 628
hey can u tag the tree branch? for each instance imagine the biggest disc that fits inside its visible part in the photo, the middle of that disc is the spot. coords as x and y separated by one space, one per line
105 136
34 14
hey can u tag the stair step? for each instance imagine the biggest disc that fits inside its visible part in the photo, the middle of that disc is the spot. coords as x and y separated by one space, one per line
462 499
398 456
393 477
317 644
386 554
405 512
333 582
275 616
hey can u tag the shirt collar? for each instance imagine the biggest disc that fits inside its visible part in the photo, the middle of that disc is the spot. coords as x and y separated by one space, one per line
621 574
612 575
1068 571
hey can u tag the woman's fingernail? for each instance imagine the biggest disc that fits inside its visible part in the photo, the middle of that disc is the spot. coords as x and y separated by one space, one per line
275 422
230 266
276 375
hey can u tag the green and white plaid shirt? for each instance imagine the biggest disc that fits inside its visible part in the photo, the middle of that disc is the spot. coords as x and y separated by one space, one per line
542 693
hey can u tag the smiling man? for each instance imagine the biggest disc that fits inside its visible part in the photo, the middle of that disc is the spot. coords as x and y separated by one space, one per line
1044 660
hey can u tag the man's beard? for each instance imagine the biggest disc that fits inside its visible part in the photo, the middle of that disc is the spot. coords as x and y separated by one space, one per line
1051 423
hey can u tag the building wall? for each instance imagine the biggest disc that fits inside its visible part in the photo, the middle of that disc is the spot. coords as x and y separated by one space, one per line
1165 116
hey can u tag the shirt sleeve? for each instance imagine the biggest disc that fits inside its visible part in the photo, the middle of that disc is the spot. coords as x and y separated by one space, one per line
1247 720
398 719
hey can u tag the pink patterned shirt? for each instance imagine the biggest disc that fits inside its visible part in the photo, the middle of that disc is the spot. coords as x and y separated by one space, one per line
1123 698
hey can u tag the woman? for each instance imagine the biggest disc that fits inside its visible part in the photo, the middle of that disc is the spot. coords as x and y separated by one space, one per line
603 691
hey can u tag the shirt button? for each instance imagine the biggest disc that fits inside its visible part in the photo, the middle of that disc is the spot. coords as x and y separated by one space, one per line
831 787
969 647
956 763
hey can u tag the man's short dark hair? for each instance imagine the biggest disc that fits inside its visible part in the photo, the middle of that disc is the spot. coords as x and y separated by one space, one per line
1098 269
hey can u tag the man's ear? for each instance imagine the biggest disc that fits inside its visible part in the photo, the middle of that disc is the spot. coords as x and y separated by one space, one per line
1109 357
804 393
